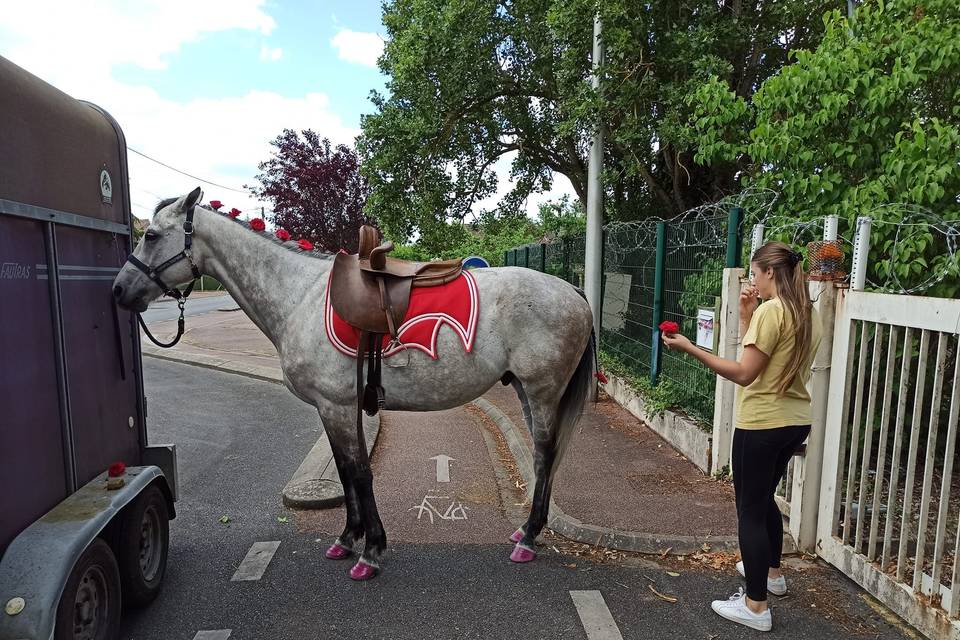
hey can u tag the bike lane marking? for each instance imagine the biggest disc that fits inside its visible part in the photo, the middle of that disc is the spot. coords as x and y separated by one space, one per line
218 634
255 563
595 616
461 506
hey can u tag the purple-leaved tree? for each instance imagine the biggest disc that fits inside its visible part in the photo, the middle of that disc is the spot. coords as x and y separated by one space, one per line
316 190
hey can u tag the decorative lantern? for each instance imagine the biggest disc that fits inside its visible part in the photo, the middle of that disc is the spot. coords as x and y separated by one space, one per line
826 260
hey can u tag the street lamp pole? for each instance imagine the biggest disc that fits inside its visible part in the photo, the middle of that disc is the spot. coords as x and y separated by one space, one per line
593 267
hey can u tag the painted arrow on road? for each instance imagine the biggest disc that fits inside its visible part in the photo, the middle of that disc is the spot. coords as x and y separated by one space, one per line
443 467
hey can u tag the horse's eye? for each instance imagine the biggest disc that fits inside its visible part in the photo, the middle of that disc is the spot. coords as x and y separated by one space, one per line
151 236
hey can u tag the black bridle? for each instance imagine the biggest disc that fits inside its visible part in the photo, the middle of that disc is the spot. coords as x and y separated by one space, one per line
154 274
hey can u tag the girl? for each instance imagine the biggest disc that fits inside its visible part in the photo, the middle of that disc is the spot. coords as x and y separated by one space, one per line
780 338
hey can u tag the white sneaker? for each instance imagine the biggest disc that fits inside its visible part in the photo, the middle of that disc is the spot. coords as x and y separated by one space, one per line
776 586
736 610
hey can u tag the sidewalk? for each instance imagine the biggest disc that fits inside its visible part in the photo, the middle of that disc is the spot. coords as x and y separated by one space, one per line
620 485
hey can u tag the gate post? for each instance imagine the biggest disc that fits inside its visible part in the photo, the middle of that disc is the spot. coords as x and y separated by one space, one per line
723 405
807 470
658 282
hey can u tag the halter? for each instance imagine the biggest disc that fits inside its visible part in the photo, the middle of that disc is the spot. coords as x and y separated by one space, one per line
154 274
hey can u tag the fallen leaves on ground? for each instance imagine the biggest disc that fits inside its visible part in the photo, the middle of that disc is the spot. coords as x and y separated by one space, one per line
670 599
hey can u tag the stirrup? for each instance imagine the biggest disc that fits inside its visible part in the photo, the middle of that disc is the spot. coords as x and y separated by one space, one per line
373 399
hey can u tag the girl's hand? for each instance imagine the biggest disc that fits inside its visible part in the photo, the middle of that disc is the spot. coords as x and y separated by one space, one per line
748 303
676 342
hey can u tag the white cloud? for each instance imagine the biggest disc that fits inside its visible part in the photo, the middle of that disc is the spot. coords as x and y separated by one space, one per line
358 47
270 55
71 37
561 187
75 46
221 140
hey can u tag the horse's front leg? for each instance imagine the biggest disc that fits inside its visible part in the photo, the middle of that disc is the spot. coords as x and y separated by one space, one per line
343 547
353 465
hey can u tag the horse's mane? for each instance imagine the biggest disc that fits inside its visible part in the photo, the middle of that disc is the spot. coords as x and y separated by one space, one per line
289 245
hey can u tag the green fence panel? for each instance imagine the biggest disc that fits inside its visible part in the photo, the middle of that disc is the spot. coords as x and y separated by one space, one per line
696 256
638 291
629 258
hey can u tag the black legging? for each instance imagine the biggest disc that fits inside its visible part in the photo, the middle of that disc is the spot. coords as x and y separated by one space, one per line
760 459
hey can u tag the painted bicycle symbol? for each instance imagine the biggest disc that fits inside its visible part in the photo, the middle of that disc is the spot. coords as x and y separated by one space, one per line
454 511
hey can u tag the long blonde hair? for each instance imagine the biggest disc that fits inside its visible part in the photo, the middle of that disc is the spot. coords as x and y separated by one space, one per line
788 275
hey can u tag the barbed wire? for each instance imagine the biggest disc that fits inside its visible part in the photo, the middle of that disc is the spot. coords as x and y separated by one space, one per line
702 227
907 221
705 228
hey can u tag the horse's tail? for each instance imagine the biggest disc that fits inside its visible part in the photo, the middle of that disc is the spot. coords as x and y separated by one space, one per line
574 398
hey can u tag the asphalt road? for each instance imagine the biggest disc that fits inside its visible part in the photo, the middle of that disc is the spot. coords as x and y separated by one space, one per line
166 308
239 440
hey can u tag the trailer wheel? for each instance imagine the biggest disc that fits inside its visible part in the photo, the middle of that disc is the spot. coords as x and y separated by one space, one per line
89 607
142 547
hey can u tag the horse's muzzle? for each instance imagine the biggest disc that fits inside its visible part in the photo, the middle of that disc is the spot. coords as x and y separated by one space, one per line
124 301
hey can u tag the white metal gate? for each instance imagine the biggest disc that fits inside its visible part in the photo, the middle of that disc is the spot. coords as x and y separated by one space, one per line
890 492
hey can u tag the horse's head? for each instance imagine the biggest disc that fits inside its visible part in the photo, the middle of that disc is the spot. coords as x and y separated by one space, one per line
161 261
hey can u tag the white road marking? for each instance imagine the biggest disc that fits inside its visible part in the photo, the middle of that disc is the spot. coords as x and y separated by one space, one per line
456 510
219 634
256 561
596 618
443 467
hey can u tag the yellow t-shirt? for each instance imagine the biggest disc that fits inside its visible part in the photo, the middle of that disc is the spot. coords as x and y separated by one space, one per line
758 404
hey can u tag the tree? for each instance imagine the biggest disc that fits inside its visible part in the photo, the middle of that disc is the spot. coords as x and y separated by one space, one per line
474 82
560 219
316 190
871 117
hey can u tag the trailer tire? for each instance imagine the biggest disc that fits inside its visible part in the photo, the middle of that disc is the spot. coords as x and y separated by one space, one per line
90 604
142 547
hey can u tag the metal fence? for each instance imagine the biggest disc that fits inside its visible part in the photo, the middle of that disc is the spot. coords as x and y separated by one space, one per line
653 271
889 508
563 258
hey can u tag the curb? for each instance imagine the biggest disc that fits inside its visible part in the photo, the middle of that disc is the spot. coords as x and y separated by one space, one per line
267 374
316 483
570 527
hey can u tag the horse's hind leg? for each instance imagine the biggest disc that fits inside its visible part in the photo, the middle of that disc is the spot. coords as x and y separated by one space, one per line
541 420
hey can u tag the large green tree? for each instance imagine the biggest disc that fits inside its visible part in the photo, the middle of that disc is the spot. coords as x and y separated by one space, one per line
868 119
474 81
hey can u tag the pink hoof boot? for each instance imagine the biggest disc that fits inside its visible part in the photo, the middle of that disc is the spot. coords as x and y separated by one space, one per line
337 551
523 554
517 536
363 571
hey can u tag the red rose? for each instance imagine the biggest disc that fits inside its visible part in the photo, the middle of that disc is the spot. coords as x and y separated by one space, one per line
283 234
257 224
234 212
216 204
599 376
116 470
306 245
669 327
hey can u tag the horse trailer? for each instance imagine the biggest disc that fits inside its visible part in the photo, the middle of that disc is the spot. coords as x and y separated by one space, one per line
86 501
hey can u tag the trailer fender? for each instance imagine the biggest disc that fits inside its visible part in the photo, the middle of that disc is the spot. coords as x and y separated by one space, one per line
38 562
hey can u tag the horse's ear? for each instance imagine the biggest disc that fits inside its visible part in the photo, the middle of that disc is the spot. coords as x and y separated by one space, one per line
190 200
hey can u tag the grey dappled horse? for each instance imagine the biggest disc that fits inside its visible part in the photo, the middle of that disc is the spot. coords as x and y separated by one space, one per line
534 332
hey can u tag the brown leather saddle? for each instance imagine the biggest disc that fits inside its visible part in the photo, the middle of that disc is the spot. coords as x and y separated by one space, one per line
370 291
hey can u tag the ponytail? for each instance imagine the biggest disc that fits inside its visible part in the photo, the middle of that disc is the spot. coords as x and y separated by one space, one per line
791 284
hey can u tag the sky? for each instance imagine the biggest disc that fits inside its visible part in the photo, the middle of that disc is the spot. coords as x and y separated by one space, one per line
204 85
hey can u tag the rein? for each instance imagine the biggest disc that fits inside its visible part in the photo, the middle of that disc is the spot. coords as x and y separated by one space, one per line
154 274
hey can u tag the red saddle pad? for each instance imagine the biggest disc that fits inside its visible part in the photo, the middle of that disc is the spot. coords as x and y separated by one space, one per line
456 304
